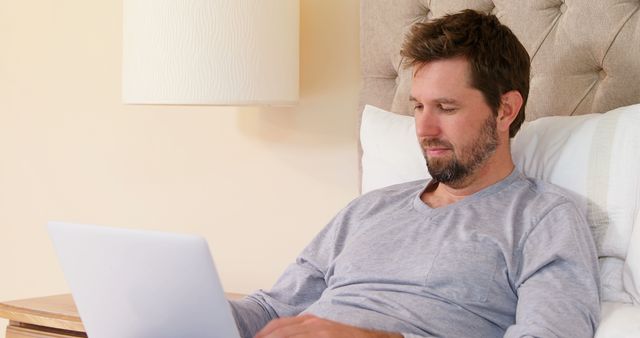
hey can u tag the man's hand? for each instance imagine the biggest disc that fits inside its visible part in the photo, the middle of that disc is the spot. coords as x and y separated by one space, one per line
312 326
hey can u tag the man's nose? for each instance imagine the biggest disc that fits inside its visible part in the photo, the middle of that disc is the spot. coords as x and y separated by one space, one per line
427 124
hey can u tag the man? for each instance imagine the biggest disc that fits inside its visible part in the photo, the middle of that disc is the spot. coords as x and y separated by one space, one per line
478 251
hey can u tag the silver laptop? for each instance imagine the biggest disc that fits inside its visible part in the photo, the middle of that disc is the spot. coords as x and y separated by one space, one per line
139 284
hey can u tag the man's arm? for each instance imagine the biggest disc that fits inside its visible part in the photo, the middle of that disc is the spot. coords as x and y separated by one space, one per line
558 282
298 287
302 283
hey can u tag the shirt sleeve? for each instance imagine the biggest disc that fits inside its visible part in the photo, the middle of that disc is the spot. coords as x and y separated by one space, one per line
302 283
410 335
558 283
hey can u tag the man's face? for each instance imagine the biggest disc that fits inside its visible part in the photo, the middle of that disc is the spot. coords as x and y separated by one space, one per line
455 126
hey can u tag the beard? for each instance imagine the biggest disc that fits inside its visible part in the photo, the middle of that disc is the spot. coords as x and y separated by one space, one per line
454 170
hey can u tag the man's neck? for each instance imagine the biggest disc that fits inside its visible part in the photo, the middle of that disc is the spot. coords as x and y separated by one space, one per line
491 173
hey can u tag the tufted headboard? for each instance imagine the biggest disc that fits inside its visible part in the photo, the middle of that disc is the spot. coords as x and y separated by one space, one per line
585 54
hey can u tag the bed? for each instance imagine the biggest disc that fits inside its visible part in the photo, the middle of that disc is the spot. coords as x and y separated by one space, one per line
583 118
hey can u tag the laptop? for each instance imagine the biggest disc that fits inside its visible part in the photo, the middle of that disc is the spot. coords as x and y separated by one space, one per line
142 284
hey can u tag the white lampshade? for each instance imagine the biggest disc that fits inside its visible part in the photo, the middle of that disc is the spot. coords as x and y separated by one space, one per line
218 52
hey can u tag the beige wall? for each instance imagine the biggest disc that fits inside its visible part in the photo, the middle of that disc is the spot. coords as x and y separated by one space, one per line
257 182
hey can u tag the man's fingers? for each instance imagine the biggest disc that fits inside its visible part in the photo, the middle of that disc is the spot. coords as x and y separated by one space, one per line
281 323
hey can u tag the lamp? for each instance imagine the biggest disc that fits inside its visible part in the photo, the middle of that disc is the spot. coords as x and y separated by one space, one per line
210 52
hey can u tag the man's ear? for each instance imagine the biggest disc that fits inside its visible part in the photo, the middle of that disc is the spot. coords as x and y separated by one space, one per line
510 104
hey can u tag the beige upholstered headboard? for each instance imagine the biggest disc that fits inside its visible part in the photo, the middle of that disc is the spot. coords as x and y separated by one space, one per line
585 53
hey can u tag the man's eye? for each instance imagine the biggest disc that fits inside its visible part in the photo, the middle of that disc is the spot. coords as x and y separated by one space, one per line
417 107
447 109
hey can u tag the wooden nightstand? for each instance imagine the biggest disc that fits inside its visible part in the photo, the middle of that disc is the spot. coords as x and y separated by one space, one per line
48 317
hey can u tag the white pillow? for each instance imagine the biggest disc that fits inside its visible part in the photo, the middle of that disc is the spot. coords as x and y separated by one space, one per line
596 156
390 150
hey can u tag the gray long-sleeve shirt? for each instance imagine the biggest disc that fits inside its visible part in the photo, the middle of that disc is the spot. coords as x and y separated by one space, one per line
516 260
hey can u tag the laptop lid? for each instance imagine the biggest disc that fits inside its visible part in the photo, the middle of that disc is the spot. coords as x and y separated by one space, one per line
138 283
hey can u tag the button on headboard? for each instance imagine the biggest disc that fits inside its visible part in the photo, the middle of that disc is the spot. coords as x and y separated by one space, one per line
585 53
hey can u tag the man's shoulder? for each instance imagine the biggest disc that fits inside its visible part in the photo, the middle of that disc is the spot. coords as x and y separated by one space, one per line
388 197
545 195
397 190
547 189
379 202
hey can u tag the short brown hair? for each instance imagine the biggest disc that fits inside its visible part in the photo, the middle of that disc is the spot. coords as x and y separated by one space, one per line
498 61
